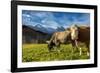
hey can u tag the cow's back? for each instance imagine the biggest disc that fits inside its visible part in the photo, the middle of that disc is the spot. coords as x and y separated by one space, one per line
84 34
62 36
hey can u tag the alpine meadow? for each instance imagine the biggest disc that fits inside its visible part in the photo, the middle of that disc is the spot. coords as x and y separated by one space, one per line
55 36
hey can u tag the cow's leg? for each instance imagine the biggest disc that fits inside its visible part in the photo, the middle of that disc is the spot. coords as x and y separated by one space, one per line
88 49
78 48
88 54
58 46
73 46
76 45
80 51
57 43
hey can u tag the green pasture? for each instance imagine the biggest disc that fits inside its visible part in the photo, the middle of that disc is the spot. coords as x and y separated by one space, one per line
39 52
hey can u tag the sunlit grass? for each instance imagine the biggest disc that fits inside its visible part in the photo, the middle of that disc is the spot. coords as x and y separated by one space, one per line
40 52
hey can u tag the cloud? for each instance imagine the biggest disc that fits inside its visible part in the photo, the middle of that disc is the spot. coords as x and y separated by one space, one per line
50 23
54 19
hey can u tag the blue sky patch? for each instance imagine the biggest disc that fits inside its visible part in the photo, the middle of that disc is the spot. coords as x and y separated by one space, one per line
54 19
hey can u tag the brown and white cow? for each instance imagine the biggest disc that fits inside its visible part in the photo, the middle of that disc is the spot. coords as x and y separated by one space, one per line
80 34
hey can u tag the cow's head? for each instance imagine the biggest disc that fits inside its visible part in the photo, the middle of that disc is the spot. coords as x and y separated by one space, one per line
74 32
50 45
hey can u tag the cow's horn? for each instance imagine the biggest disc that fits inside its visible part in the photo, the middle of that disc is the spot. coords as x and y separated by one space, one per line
47 42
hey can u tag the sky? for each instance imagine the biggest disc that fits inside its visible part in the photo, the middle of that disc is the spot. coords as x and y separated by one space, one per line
54 19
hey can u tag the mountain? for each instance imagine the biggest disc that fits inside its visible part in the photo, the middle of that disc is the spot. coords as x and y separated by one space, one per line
61 28
48 30
44 29
40 28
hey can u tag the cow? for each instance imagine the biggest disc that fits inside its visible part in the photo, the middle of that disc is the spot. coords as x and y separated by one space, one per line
80 34
73 35
58 38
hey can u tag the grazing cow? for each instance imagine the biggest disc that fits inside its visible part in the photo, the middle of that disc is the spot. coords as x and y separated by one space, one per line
74 35
59 38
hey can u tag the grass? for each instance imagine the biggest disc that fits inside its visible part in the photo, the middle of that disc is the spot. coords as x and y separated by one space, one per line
39 52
